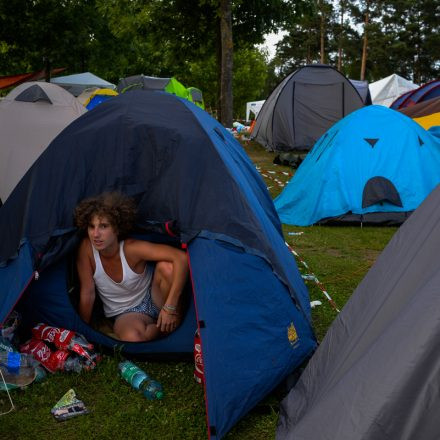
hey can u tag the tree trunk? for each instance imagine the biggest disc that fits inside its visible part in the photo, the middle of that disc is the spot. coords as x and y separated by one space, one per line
322 31
227 52
365 43
47 69
341 6
218 45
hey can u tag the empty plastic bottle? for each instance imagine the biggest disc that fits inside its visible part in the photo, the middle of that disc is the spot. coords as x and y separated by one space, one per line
73 363
140 380
14 360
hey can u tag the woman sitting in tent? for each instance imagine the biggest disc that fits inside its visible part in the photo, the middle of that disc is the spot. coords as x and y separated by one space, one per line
140 283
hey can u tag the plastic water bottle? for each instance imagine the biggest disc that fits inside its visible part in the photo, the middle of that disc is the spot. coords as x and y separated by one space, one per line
13 360
73 363
140 380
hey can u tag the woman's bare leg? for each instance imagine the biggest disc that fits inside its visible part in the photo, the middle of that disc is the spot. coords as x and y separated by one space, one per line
136 327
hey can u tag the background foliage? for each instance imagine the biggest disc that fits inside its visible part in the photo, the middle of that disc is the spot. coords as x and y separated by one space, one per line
118 38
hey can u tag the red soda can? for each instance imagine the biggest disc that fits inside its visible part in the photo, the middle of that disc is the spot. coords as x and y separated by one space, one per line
198 359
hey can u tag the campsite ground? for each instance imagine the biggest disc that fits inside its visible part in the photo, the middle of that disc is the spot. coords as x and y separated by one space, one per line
338 256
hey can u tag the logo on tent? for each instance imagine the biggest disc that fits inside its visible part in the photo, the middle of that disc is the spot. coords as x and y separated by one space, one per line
292 335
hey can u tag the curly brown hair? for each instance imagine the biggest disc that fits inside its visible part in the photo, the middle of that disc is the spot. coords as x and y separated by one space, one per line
119 209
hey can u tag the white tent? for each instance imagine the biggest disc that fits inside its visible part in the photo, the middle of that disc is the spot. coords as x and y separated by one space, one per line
387 90
254 107
31 116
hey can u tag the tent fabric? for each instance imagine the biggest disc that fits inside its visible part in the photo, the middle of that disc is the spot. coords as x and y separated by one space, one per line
429 121
27 127
15 80
84 96
424 108
363 89
426 113
387 90
253 107
303 107
423 93
33 93
195 95
170 85
376 374
249 301
77 83
354 169
99 96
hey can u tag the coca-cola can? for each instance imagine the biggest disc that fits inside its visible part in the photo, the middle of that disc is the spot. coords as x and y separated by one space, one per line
198 359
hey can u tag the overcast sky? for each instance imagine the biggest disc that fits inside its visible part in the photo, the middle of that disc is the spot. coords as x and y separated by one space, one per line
271 40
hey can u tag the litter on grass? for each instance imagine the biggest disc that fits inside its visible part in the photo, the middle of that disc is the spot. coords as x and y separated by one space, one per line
68 406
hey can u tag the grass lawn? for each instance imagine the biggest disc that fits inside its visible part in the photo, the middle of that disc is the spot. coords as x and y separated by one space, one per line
338 256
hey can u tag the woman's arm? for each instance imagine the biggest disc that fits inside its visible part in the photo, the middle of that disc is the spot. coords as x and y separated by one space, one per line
87 284
138 250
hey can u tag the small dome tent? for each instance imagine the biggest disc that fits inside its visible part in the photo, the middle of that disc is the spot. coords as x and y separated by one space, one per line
303 107
374 166
31 116
248 300
375 375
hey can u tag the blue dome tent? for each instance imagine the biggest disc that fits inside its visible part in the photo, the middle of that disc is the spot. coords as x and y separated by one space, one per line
248 299
374 166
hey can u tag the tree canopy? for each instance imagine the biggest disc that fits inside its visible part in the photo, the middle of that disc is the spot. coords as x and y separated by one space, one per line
182 38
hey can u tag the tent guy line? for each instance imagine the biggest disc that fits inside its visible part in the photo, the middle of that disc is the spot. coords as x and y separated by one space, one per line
274 179
313 277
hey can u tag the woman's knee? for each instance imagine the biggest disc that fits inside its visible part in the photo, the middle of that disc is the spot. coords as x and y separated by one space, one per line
165 269
129 334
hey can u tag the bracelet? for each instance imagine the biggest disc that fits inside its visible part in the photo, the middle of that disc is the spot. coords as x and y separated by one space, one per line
168 311
170 308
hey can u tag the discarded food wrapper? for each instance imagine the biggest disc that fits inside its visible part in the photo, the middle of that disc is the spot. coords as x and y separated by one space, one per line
69 406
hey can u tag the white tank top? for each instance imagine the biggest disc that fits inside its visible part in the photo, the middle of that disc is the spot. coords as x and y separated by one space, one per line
118 297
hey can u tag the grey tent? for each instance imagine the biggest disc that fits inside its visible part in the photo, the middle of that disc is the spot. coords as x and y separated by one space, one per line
303 107
31 116
376 375
170 85
142 82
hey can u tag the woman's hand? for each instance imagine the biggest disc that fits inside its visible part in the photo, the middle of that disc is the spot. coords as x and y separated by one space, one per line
167 321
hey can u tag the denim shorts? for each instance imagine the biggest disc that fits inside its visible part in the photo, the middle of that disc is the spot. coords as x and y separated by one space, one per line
146 307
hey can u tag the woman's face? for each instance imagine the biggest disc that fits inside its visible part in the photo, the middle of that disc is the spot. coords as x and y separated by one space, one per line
101 233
